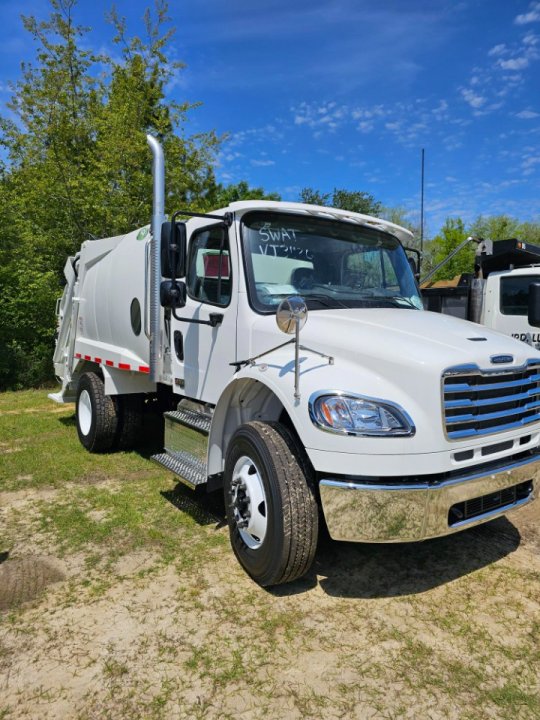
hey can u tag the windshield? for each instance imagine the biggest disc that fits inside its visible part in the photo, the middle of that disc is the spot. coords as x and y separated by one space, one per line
330 263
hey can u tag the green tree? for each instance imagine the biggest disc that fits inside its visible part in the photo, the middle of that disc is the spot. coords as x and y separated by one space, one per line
310 196
79 167
223 195
400 216
495 227
451 235
530 232
353 200
504 227
356 201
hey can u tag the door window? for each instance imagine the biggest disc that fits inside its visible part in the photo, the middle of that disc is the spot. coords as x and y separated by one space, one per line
209 273
515 294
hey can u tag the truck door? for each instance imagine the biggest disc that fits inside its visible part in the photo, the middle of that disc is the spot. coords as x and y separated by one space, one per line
202 353
506 305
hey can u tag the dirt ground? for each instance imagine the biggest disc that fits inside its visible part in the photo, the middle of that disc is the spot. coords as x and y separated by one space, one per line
120 598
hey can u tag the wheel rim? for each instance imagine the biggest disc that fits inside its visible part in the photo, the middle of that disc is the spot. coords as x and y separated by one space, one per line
84 412
249 502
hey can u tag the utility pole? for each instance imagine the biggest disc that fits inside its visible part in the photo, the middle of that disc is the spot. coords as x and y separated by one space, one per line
422 206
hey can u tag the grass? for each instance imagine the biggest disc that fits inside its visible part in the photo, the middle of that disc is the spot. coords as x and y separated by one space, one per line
155 618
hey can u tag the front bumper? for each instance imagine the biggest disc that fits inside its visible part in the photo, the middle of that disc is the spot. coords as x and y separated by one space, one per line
362 511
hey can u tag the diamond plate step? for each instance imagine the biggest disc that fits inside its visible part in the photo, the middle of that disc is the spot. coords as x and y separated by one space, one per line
191 419
191 470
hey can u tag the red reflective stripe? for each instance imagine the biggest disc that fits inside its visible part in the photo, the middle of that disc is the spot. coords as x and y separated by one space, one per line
78 356
98 360
109 363
124 366
144 369
87 357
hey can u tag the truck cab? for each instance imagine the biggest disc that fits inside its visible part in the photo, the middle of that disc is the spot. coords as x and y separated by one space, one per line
335 260
497 293
506 303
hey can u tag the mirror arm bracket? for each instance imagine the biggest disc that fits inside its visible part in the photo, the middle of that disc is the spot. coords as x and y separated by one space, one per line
251 361
226 218
214 319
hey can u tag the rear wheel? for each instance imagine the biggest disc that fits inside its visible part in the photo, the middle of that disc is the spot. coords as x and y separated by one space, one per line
270 501
130 419
97 419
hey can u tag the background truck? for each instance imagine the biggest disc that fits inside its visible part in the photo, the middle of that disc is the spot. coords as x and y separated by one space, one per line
374 416
497 293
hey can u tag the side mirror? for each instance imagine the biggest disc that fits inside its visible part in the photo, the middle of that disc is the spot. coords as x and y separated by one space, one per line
414 263
414 267
173 250
172 293
534 304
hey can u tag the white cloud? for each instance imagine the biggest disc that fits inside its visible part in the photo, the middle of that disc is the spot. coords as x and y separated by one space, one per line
473 99
517 63
530 165
503 75
262 163
366 126
324 115
497 50
527 115
532 16
409 123
441 111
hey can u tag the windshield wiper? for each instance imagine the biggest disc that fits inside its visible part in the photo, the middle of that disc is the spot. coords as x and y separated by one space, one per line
394 300
329 302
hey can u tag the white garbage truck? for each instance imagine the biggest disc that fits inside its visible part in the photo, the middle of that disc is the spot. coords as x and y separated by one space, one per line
384 421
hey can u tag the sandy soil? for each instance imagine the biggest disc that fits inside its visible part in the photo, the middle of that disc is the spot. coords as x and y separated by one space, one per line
444 629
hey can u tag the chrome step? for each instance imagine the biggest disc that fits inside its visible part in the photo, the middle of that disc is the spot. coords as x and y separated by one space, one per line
186 445
191 470
190 418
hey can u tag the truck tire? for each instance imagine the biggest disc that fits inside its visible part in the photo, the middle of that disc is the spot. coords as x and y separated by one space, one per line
130 409
97 418
270 501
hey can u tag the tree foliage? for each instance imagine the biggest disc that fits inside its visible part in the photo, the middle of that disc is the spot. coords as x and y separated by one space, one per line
451 235
79 166
487 227
401 216
353 200
504 227
223 195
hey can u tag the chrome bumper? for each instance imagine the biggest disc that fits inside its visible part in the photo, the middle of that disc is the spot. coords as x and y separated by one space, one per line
365 512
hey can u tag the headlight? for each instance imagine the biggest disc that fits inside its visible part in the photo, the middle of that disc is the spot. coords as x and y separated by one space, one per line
355 415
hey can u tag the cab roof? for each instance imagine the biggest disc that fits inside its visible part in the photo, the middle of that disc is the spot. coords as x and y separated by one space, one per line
242 206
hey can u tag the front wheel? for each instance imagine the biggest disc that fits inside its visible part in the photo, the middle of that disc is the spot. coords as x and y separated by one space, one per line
270 500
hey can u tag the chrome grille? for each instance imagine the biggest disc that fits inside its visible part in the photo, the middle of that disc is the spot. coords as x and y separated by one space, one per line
480 402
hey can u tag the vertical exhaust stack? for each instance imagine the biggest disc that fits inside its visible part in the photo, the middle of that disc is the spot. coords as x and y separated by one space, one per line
158 218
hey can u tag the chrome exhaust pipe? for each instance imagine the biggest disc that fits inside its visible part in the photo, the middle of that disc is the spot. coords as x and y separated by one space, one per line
158 218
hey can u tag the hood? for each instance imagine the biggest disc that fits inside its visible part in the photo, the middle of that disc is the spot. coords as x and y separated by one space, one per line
400 337
390 354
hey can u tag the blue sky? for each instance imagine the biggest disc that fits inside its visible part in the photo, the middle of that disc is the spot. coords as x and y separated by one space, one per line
345 94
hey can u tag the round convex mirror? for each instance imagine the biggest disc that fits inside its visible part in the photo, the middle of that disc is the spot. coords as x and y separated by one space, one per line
289 311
